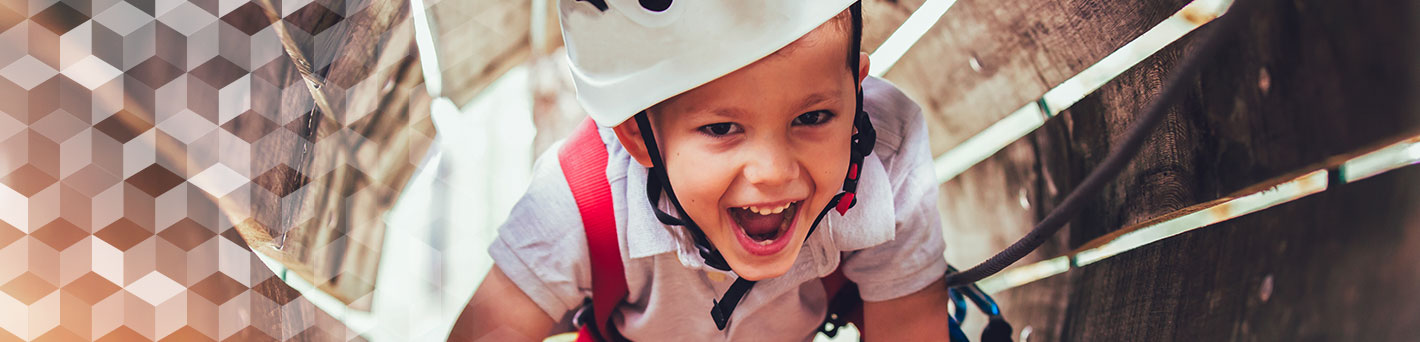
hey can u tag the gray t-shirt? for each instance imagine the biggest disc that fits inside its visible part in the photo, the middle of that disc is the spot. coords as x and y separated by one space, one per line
890 244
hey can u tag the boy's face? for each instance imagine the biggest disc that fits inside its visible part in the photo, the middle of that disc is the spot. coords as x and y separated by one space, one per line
755 155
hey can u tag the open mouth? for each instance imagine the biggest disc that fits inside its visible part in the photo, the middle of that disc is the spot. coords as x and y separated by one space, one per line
764 230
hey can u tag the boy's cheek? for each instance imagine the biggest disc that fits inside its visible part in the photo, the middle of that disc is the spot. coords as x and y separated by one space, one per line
699 184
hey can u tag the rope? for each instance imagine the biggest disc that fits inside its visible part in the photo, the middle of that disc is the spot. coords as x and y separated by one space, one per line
1117 159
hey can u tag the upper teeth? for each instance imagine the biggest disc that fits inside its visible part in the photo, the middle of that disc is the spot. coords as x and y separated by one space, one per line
767 210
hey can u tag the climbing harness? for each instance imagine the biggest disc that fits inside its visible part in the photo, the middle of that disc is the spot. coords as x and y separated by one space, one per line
583 159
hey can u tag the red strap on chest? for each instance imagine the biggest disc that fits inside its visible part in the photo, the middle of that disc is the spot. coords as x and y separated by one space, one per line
583 159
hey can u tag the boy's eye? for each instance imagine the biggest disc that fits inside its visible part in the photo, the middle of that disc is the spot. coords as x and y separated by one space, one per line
719 129
813 118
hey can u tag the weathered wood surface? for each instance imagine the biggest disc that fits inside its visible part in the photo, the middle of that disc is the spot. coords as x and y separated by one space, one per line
1340 266
1307 80
989 206
280 312
1021 48
477 41
339 159
882 17
1282 97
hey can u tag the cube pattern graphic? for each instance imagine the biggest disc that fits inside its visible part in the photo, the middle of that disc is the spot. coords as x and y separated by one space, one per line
129 137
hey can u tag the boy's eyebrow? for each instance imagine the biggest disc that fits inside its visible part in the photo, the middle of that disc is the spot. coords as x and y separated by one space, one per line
808 101
816 99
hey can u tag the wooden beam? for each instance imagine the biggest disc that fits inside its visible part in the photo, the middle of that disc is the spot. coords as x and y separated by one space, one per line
1306 81
882 17
328 172
477 41
985 59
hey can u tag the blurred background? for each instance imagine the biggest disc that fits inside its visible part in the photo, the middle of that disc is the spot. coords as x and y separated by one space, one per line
333 170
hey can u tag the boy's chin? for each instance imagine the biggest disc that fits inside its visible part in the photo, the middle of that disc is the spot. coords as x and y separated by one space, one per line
760 260
764 267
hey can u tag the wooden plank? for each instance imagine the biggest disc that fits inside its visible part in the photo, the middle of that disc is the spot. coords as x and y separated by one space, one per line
991 205
348 157
1307 81
882 17
1162 178
1020 48
1023 49
477 41
1243 124
278 308
1295 272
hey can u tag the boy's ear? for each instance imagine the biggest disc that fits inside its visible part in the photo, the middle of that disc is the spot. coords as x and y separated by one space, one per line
629 133
862 67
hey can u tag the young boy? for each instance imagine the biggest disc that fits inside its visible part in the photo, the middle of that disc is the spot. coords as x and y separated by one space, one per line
740 117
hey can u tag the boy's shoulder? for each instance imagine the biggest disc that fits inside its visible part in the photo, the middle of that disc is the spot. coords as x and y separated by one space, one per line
895 116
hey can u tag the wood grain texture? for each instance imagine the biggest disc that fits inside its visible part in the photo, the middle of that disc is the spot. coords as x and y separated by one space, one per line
1307 80
991 205
882 17
279 312
477 41
1230 131
1340 265
348 158
1023 48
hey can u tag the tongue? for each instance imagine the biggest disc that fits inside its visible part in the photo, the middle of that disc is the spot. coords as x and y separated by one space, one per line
761 225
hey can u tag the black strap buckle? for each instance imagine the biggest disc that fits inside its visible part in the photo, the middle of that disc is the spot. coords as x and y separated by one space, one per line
720 317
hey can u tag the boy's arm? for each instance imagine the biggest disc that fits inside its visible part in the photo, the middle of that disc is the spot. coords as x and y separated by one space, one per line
920 316
540 268
888 273
499 311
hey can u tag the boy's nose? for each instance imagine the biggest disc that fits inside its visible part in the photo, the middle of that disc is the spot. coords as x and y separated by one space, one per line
773 166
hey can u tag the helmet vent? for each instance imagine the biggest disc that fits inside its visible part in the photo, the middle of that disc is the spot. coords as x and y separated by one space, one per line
655 5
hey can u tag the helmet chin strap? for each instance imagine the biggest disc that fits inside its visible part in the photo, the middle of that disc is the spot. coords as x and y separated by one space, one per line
657 182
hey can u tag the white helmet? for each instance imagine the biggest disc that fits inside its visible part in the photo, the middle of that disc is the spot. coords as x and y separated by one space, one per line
628 55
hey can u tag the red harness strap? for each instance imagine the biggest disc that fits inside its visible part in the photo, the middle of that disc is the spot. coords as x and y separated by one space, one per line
583 158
